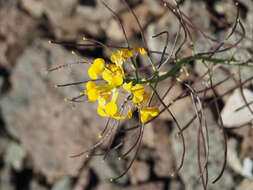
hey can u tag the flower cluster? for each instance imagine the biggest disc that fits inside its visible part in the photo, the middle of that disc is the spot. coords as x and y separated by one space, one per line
114 83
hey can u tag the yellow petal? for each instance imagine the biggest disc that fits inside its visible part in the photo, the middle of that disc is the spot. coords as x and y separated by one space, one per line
129 114
136 48
96 68
146 97
111 108
119 117
90 85
91 91
120 72
92 94
113 58
127 53
154 111
115 95
148 112
101 112
103 98
116 81
128 86
144 117
107 77
92 72
116 58
137 88
99 63
137 99
143 51
138 93
104 88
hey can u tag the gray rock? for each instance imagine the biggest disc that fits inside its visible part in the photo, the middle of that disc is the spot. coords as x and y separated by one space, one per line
100 12
113 29
145 186
35 113
4 142
190 172
1 84
36 186
15 32
248 168
246 184
175 184
15 156
108 186
107 170
148 186
233 157
83 180
35 8
226 8
5 179
162 154
139 172
233 109
69 18
63 184
154 7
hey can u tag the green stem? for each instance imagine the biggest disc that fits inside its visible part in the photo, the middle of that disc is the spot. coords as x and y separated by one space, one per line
178 64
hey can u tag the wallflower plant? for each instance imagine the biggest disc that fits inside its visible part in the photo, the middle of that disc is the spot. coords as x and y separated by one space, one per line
109 81
114 78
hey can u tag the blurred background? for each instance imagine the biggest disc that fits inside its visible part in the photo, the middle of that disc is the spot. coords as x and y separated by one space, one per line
38 130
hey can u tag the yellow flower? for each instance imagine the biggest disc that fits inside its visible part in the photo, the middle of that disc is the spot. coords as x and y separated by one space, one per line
96 68
107 94
138 93
109 110
117 59
146 96
148 112
120 56
143 51
126 53
137 49
113 75
102 93
118 70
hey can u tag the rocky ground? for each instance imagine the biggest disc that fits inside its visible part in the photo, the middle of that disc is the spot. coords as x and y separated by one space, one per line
38 130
